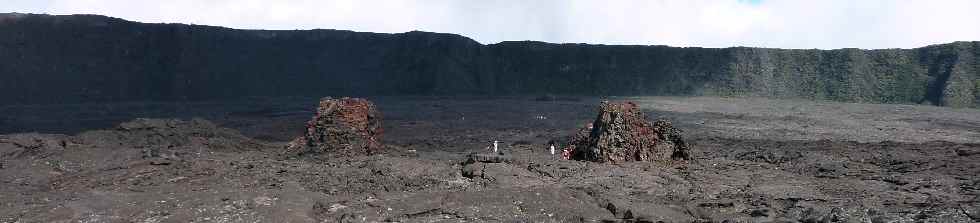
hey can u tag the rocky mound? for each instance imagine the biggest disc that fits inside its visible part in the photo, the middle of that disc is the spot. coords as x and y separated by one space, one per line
621 133
343 127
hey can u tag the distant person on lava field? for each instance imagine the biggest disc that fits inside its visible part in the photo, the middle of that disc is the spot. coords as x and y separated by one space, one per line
566 153
493 146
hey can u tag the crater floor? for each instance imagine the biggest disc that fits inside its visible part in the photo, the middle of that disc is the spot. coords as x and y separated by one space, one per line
756 160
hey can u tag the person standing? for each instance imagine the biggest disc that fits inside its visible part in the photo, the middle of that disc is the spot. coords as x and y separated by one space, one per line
566 153
552 149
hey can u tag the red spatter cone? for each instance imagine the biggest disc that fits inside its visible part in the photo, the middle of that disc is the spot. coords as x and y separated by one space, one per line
344 127
621 133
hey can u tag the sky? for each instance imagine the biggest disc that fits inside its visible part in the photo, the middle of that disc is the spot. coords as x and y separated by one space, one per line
799 24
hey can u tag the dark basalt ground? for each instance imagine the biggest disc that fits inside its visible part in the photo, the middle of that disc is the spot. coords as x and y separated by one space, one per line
754 161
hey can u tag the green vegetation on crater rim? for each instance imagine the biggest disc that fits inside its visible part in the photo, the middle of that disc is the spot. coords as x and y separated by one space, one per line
87 58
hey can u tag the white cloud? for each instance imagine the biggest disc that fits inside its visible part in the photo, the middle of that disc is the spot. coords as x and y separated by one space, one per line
723 23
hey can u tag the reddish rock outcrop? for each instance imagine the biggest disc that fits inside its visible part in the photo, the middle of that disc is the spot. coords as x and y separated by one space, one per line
340 127
621 133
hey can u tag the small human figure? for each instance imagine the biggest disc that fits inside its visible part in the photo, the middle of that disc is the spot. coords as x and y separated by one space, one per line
552 149
495 142
566 153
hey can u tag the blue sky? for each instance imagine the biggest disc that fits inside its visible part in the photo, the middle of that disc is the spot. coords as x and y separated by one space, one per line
825 24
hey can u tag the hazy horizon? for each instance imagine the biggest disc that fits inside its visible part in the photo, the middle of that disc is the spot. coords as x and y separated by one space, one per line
713 24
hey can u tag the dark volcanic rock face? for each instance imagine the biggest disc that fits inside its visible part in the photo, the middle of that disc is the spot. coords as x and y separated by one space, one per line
87 58
621 133
346 126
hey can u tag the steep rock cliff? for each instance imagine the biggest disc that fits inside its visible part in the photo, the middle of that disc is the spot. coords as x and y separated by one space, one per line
89 58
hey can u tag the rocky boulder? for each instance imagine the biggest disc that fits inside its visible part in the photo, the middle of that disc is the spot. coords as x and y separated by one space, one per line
340 127
621 133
